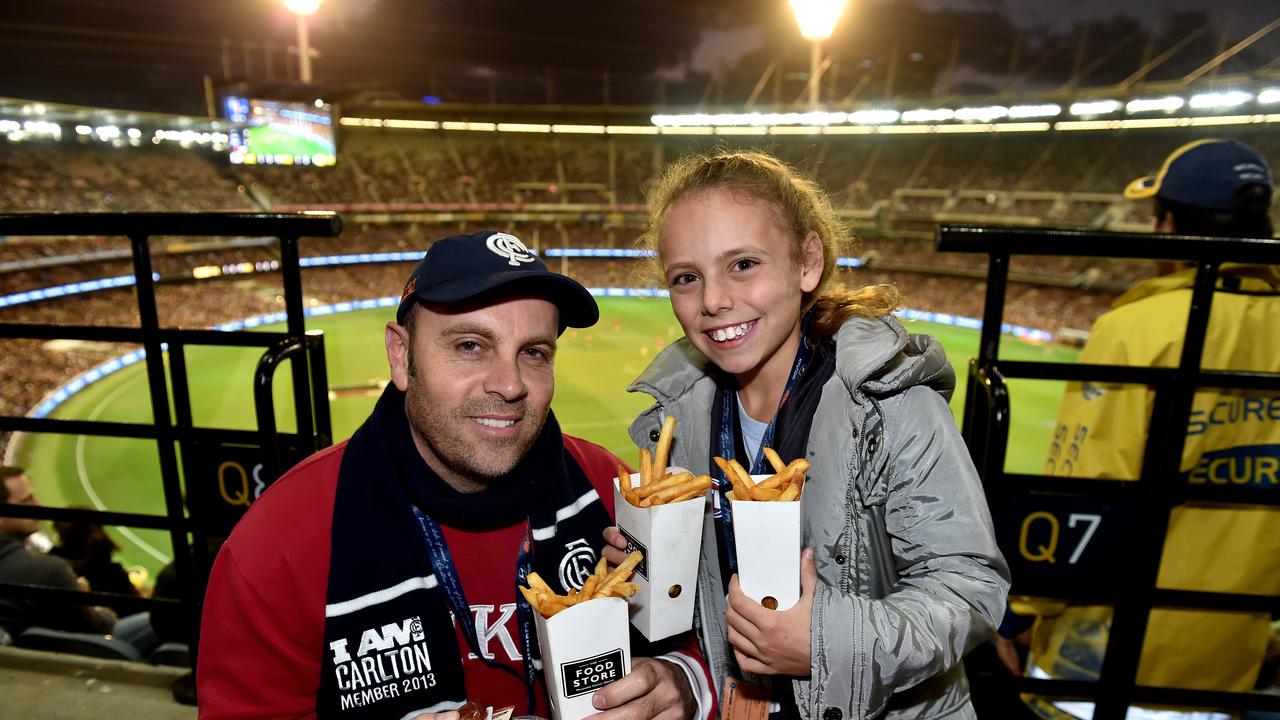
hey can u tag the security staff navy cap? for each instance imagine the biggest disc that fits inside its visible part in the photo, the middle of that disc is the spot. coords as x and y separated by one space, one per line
463 267
1204 174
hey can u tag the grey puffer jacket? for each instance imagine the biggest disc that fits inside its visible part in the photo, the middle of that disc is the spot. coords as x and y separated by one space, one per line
910 578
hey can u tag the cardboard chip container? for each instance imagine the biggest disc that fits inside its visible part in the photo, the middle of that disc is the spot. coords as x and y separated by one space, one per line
670 536
584 647
768 537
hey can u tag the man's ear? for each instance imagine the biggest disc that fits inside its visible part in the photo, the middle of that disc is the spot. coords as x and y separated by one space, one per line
811 262
398 349
1166 225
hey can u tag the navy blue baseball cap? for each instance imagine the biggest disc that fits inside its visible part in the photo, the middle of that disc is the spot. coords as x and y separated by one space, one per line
1205 174
465 267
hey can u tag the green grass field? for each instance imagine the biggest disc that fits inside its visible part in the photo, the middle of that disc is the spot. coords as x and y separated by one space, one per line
277 140
593 368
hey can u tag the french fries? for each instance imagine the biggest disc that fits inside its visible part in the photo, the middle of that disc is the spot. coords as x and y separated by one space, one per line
657 486
784 485
601 584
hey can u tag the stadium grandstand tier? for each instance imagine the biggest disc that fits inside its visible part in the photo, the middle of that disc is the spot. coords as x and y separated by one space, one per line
1055 178
49 176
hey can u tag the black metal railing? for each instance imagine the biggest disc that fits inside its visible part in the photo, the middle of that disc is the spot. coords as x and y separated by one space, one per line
193 535
1136 512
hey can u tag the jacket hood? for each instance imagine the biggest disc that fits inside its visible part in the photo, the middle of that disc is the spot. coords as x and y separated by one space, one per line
876 355
1256 278
879 356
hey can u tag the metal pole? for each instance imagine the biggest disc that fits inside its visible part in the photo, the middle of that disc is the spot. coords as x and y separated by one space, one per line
815 61
304 50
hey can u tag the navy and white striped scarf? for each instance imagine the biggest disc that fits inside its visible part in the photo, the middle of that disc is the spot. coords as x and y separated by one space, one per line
390 644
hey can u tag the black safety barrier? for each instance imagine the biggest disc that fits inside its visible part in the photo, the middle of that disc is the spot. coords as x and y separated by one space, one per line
1127 520
222 470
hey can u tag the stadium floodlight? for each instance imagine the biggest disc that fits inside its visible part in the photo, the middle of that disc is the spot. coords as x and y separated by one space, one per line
928 115
982 114
1095 107
1234 98
302 9
874 117
84 130
817 19
1035 111
1269 96
1164 104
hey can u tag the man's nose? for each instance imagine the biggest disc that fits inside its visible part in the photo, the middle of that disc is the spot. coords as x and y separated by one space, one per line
505 379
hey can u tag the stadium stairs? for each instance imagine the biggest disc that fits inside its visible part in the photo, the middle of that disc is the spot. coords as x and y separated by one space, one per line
59 686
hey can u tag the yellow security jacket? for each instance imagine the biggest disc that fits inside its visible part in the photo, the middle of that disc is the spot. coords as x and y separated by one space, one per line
1233 438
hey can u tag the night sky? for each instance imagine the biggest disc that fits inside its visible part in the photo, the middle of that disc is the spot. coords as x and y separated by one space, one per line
153 54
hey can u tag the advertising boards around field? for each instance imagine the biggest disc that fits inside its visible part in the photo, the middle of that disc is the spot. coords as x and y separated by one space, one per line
670 536
768 538
584 647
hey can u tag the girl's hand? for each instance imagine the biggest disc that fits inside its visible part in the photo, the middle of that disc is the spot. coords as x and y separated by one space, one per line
615 546
772 642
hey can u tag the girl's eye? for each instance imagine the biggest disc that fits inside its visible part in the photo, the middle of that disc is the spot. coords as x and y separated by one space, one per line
743 264
683 279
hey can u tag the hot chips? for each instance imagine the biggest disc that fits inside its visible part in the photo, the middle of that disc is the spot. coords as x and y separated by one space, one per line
657 486
601 584
784 486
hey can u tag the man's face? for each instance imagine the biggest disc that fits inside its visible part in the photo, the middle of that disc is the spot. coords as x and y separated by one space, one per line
20 493
481 383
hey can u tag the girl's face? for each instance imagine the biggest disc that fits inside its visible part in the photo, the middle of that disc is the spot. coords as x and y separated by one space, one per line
735 288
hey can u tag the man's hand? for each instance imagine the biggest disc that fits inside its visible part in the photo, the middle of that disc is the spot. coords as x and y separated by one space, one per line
772 642
653 689
615 546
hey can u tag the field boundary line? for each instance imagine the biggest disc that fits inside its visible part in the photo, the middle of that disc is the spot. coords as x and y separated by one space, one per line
88 486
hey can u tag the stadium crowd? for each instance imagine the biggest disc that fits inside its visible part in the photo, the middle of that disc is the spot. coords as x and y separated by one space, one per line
918 180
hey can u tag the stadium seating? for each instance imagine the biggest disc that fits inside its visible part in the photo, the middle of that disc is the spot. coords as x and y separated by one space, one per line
101 646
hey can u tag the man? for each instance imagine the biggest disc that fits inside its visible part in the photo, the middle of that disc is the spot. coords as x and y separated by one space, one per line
20 565
1214 188
378 577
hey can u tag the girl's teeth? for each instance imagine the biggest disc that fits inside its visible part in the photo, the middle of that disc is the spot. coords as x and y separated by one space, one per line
731 333
495 423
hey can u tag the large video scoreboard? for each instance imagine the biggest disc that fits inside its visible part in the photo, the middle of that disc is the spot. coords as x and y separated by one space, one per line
280 132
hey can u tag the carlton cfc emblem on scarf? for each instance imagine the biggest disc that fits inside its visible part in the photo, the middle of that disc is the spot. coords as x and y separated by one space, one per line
390 644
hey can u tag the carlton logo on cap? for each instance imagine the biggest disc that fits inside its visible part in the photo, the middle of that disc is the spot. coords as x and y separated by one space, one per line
509 247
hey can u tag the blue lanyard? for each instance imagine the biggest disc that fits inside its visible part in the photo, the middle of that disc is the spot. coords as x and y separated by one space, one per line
728 450
447 577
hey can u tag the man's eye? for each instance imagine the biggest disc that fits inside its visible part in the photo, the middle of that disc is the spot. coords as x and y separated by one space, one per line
537 353
469 346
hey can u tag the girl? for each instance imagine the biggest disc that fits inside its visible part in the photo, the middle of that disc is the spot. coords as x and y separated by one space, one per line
901 576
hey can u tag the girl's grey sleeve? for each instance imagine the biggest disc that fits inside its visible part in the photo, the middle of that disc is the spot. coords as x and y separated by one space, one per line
952 584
